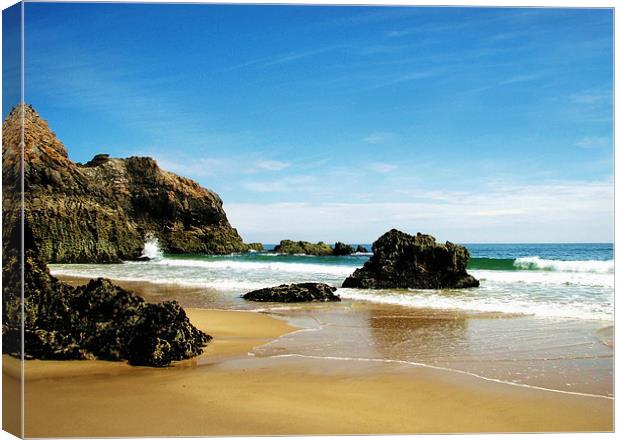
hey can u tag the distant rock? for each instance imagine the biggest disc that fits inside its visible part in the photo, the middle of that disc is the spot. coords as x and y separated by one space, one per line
102 211
361 249
342 249
288 293
98 320
404 261
98 159
303 247
258 247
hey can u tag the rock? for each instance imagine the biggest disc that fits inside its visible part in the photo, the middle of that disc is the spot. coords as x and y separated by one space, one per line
101 212
342 249
95 321
302 292
258 247
404 261
140 258
99 159
361 249
303 247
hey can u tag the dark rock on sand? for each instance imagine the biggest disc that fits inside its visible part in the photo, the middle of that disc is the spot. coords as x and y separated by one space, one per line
102 211
404 261
95 321
303 247
302 292
361 249
342 249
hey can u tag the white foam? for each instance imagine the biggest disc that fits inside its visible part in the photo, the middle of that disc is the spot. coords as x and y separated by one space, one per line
436 367
510 304
260 266
151 248
545 278
589 266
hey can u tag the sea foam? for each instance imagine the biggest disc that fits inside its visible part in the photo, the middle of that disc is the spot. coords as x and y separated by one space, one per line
590 266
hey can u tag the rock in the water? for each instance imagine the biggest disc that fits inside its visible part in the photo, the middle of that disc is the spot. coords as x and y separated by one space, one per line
303 247
96 321
258 247
361 249
302 292
341 248
404 261
102 211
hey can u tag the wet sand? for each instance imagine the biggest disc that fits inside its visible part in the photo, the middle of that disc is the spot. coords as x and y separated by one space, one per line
250 381
227 392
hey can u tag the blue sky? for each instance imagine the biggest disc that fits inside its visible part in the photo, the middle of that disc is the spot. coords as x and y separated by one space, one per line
338 123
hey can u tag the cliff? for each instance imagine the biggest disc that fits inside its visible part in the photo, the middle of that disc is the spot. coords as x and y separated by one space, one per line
101 211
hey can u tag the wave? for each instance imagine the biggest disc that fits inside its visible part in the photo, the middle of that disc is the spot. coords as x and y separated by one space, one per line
590 266
540 264
256 266
510 305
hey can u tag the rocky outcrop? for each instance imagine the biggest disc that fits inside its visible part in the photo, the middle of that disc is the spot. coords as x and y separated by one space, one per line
320 249
258 247
342 249
401 260
95 321
288 293
102 211
303 247
361 249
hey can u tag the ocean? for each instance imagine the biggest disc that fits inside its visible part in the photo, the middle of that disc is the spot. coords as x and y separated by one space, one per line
547 280
542 316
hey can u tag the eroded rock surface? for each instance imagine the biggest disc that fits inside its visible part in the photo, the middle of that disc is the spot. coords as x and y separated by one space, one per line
102 211
96 321
403 261
302 292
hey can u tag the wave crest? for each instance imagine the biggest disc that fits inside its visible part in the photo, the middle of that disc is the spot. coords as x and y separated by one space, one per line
589 266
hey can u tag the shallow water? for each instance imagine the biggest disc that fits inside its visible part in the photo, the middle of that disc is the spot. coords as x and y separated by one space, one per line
541 316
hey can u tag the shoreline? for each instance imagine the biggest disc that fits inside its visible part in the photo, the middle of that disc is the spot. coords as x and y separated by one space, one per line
226 392
429 338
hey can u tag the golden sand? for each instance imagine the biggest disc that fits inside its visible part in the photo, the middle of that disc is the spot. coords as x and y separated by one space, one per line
227 392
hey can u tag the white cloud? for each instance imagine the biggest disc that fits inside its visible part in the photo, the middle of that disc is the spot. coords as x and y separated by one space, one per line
593 142
552 212
379 137
286 184
382 167
272 165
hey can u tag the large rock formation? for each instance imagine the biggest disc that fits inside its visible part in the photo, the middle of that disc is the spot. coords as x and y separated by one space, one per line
288 293
341 248
404 261
320 249
303 247
95 321
102 211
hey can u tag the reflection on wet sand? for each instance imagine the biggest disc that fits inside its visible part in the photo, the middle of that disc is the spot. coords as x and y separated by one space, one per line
564 354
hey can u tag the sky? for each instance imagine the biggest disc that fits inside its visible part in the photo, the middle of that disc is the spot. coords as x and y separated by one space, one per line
475 125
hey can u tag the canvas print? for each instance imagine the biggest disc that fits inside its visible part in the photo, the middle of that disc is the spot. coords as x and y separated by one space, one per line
224 220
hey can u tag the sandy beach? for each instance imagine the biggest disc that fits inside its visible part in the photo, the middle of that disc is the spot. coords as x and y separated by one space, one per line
228 392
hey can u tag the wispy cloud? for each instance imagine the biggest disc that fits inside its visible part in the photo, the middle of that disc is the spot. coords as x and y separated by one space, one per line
296 55
515 79
590 97
272 165
380 137
285 184
382 167
593 142
553 212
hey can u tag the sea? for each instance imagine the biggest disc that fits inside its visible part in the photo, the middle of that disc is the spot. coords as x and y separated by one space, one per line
552 280
542 317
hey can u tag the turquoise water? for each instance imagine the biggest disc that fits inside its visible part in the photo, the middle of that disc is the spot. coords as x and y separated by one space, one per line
552 280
